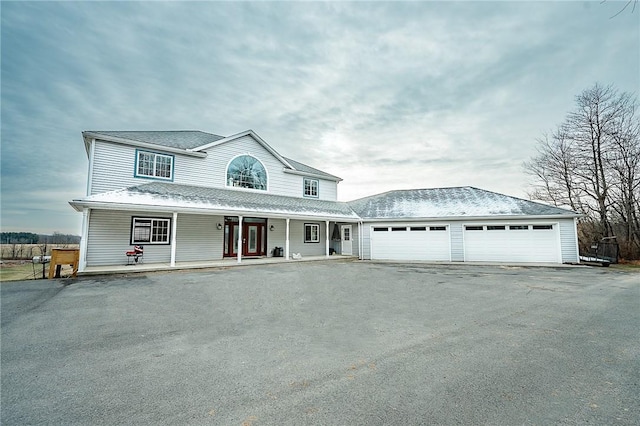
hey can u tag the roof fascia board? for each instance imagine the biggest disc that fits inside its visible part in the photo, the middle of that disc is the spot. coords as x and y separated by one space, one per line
123 141
314 175
240 135
471 218
78 205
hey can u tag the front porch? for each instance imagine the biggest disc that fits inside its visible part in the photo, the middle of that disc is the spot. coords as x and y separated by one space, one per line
224 263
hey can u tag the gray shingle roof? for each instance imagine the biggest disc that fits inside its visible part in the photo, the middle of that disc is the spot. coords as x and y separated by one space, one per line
449 202
181 139
308 169
171 195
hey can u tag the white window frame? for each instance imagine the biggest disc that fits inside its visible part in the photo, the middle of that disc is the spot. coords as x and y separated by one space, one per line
155 224
312 183
230 183
312 226
153 172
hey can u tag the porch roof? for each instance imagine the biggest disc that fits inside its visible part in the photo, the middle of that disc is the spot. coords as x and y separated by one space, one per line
165 196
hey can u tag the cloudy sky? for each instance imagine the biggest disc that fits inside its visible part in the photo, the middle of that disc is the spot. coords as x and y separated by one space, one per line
386 95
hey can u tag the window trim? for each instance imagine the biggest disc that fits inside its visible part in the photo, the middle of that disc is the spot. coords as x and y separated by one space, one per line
243 188
311 241
155 154
152 219
542 227
304 187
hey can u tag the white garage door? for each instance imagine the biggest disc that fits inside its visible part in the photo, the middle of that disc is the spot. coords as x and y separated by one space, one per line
410 242
512 243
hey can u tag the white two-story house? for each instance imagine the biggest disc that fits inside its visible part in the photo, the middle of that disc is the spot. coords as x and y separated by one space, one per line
191 196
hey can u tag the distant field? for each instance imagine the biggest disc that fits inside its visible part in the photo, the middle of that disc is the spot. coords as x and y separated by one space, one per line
27 251
18 270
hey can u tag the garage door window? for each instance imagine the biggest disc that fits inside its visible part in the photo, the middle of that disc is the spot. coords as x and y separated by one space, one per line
518 227
418 228
541 227
473 228
380 229
437 228
397 228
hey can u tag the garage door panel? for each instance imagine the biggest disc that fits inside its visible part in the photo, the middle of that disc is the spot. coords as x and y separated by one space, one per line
410 245
512 245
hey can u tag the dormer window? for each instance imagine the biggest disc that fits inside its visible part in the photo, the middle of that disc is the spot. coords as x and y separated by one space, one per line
311 187
246 171
154 165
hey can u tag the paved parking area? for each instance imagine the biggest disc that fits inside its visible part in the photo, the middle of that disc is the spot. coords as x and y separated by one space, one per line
325 343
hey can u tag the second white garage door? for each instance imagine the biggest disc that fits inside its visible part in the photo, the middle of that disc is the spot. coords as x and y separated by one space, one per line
410 242
511 243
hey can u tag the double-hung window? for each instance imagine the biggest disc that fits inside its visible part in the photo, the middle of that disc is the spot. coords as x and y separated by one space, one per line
154 165
311 187
311 233
150 230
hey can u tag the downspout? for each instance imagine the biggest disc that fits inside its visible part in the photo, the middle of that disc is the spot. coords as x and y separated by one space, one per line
84 240
174 238
575 233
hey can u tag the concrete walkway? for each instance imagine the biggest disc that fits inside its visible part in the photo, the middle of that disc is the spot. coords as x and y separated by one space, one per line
224 263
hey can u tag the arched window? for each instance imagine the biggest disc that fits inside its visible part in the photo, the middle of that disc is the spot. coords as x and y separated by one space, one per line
246 171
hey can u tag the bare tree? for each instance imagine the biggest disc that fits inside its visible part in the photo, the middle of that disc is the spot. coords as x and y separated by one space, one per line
590 163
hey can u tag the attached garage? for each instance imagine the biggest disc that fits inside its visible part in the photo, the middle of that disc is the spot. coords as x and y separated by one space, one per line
521 242
410 242
464 224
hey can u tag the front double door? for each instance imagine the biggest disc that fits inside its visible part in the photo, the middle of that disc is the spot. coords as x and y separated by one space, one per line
254 237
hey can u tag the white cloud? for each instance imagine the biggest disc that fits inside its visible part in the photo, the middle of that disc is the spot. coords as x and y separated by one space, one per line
385 95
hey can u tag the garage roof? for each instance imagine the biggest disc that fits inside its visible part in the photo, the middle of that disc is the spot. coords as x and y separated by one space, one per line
463 201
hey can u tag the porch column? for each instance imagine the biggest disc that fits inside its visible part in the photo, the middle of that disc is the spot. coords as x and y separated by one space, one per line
327 240
174 237
239 239
86 214
286 242
360 228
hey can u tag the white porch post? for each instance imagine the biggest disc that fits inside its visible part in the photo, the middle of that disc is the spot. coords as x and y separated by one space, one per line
86 214
326 250
239 239
174 237
286 242
360 228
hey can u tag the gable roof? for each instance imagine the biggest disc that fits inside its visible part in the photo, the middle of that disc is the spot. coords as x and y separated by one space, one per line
195 142
459 202
180 139
186 198
308 170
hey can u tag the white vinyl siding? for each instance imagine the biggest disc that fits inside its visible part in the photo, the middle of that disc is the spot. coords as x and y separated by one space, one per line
280 183
457 242
568 241
296 239
109 239
414 241
503 242
198 238
114 167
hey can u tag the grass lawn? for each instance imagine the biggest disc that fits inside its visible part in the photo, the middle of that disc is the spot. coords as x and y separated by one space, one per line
24 270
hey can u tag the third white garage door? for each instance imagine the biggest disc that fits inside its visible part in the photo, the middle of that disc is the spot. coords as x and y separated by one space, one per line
512 243
410 242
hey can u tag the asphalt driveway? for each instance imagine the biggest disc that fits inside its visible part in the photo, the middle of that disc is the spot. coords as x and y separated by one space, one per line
325 343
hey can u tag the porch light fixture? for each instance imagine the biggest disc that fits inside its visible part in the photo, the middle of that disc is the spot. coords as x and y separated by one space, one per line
271 228
219 226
